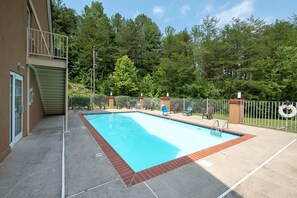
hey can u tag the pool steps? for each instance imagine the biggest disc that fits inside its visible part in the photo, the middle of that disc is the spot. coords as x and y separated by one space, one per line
215 128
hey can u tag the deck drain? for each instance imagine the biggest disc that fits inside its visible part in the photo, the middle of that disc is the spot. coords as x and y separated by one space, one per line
205 163
99 155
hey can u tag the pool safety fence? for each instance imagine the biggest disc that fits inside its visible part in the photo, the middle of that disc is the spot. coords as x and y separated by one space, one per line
220 107
266 114
255 113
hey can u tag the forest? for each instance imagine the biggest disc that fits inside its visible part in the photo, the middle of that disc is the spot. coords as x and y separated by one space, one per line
206 61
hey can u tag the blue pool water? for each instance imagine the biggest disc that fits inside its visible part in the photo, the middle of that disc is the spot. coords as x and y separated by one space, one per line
144 141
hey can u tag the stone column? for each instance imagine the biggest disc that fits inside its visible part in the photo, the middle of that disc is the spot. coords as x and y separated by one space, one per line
111 102
235 112
166 102
141 101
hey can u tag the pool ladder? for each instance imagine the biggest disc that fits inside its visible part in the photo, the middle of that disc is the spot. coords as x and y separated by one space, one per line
215 128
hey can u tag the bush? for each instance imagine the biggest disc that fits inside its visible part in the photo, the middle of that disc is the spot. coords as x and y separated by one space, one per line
100 99
79 102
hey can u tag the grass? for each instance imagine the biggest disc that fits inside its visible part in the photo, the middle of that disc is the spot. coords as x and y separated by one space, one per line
278 124
272 123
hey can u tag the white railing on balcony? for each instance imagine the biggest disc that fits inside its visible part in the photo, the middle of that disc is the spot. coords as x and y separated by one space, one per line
47 44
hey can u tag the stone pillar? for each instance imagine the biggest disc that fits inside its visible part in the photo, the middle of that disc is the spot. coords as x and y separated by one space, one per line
141 101
166 102
111 102
235 112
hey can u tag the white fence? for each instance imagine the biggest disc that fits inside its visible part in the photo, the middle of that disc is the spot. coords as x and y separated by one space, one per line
220 107
41 43
265 114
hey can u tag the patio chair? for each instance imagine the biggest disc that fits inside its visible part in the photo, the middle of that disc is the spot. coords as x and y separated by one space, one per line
146 106
164 110
175 108
102 105
189 111
208 114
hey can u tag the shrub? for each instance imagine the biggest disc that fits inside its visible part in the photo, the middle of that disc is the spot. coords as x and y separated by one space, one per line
79 102
100 99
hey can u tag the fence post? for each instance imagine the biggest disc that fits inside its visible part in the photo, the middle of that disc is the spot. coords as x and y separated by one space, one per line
111 102
141 101
184 104
165 101
235 111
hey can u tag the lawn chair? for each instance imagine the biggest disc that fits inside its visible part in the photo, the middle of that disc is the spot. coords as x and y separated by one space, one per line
175 108
147 106
164 110
209 113
189 111
102 105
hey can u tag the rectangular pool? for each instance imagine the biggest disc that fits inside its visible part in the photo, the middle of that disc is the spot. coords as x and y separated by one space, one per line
144 141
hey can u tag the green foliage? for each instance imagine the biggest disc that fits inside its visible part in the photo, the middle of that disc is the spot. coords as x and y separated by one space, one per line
100 99
79 102
124 80
64 19
206 62
94 30
147 86
75 89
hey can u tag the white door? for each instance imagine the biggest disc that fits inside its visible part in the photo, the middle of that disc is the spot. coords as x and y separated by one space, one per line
16 108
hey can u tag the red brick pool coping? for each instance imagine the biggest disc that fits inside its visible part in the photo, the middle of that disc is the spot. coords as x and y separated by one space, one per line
131 178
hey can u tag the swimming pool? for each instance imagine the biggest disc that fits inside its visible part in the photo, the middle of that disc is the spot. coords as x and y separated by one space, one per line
144 141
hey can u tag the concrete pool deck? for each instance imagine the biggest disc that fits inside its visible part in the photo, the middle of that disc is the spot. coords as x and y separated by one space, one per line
264 166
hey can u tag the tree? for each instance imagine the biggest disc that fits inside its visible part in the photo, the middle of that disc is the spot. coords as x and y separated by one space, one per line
64 19
124 80
94 29
147 86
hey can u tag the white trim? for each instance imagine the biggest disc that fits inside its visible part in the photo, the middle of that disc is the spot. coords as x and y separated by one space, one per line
38 24
150 190
255 170
28 99
63 167
16 138
49 14
28 18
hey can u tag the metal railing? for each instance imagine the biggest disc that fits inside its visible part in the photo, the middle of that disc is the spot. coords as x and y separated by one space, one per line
200 106
265 114
41 43
151 103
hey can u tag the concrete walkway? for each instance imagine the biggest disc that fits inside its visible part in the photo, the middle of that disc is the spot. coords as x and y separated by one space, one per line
33 169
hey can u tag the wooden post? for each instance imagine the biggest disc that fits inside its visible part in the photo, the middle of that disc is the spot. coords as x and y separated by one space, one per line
235 111
111 102
141 101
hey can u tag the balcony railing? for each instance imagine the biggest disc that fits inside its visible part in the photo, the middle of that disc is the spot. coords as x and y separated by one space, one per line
47 44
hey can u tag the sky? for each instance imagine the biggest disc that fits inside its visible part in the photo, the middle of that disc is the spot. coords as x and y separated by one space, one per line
181 14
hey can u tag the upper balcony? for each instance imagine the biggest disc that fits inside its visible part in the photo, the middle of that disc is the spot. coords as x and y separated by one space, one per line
46 48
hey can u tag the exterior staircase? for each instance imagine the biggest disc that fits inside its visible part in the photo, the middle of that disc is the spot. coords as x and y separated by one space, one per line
51 83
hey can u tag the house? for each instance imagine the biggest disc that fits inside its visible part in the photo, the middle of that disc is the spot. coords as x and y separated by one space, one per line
33 69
